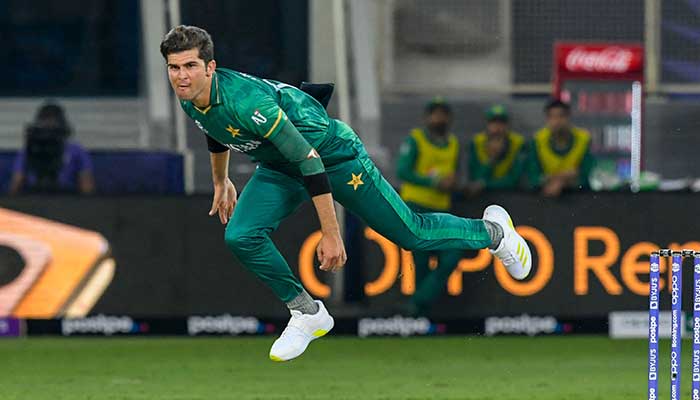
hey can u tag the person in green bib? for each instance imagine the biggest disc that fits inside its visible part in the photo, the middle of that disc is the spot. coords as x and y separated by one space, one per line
560 156
427 165
496 155
303 154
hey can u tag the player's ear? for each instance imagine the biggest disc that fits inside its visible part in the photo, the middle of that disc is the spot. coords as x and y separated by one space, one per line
211 67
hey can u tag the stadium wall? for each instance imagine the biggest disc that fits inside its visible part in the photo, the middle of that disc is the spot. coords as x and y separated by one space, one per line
590 256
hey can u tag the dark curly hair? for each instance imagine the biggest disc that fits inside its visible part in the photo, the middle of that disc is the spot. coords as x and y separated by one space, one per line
185 37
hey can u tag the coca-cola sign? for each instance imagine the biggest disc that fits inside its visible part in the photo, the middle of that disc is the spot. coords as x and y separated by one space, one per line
600 59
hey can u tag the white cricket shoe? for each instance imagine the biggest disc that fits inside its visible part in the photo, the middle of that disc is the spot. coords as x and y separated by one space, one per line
300 331
513 250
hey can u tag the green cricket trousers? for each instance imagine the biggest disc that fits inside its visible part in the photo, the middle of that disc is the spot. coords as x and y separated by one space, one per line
430 284
357 184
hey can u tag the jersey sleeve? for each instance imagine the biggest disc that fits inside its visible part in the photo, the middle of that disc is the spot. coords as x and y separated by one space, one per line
297 150
406 162
478 172
587 165
84 160
19 166
262 116
535 176
213 146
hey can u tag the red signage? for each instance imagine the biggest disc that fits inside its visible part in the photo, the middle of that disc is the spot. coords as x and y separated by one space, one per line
601 59
615 61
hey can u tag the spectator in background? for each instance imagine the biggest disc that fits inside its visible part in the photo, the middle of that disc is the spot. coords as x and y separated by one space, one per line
496 156
560 156
427 165
49 162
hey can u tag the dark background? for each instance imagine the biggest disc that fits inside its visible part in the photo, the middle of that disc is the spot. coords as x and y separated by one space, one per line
266 38
172 260
70 48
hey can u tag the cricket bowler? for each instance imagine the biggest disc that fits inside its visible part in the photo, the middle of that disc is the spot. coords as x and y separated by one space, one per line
304 154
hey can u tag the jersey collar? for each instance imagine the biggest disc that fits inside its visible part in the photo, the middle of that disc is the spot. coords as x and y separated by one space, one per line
433 139
565 149
214 96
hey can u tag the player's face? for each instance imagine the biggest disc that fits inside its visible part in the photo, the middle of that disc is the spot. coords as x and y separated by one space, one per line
189 75
497 128
439 121
557 119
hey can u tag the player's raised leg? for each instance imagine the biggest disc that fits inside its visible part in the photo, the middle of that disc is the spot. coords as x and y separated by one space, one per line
267 199
360 187
513 250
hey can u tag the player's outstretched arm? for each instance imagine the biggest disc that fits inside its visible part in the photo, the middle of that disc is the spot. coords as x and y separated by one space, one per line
225 196
330 250
293 146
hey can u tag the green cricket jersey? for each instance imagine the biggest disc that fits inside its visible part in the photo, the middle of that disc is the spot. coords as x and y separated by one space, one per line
291 135
505 171
246 114
536 171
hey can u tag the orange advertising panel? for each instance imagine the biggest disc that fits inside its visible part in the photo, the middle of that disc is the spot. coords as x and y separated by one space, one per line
65 269
590 257
588 269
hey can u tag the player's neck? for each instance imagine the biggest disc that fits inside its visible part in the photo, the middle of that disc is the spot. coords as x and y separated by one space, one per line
562 138
203 99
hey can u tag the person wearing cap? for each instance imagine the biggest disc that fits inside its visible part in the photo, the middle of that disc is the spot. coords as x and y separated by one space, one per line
427 166
50 162
496 155
560 157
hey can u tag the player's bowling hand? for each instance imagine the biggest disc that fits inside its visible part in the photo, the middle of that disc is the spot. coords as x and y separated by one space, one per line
331 252
225 198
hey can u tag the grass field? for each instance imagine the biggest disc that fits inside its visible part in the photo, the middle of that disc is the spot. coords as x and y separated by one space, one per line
333 368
